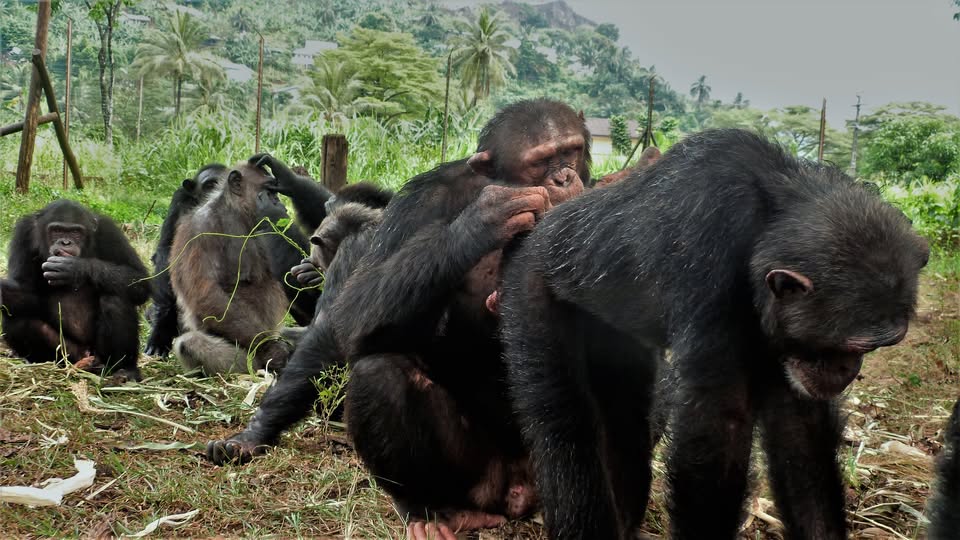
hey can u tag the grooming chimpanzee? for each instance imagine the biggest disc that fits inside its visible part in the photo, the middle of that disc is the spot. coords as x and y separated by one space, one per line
355 208
73 288
162 313
945 505
426 404
229 300
769 278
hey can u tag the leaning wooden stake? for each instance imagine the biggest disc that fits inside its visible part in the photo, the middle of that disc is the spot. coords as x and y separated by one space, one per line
57 123
446 109
18 127
334 156
66 95
29 137
259 96
647 138
823 130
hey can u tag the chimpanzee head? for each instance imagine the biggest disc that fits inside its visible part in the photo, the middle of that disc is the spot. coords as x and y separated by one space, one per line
343 220
537 142
67 228
206 180
364 193
831 286
253 192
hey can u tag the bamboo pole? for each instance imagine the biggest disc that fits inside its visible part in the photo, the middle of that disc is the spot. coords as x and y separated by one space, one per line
823 130
446 109
259 95
139 107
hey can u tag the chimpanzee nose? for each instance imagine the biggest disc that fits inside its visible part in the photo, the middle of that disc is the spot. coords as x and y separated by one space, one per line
65 242
564 177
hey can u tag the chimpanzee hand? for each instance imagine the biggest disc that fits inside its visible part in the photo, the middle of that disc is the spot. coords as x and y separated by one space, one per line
307 274
500 213
240 448
286 178
63 271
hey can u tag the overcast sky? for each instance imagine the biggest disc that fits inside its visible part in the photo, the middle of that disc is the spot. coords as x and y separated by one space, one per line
791 52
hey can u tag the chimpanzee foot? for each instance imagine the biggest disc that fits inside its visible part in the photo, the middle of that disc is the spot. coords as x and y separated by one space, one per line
124 375
454 522
240 448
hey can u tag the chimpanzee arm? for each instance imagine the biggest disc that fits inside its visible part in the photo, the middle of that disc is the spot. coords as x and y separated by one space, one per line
115 268
944 518
393 304
25 254
307 194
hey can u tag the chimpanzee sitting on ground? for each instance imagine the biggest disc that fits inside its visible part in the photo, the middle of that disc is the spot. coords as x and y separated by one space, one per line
426 405
945 504
308 198
72 292
231 305
769 278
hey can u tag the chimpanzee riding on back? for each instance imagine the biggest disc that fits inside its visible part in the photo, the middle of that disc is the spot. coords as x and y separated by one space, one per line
768 277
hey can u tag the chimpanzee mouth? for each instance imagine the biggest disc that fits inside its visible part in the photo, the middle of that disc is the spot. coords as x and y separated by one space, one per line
823 377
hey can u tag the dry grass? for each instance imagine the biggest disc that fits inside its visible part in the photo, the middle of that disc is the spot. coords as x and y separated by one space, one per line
314 486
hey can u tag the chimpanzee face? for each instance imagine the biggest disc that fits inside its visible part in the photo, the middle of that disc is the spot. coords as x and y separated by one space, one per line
860 296
66 239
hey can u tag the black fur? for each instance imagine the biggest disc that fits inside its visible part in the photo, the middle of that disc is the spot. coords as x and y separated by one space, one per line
945 504
692 253
90 297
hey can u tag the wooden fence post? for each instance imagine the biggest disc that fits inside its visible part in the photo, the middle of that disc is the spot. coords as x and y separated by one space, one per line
66 95
71 160
334 154
29 137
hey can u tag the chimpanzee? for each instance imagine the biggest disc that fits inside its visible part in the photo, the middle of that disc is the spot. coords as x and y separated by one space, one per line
162 313
426 404
768 278
945 505
73 289
355 208
230 302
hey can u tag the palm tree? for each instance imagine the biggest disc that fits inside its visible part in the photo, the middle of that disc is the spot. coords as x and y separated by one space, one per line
334 88
481 55
700 91
178 51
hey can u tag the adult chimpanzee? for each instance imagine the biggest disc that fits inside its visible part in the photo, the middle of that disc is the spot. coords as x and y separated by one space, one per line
308 197
945 506
73 290
162 313
426 405
767 277
355 208
228 298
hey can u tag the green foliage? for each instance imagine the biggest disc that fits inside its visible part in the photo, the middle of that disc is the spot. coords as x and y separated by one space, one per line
700 91
913 147
397 79
934 208
480 53
620 135
378 20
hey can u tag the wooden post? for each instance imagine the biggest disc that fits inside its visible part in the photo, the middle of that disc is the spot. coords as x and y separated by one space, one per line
823 130
647 130
139 107
29 137
853 147
259 95
18 127
57 123
334 155
446 109
66 95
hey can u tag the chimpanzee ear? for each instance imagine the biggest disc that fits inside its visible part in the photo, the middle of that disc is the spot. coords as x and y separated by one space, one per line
235 181
189 184
783 282
580 115
316 240
482 163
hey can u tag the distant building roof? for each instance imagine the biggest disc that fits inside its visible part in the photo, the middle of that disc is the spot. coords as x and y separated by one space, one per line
130 17
304 55
235 72
600 127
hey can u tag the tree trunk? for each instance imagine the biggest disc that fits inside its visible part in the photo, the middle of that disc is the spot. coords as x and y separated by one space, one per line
178 85
105 62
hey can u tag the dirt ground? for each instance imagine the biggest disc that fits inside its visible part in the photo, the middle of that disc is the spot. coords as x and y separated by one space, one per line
147 441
